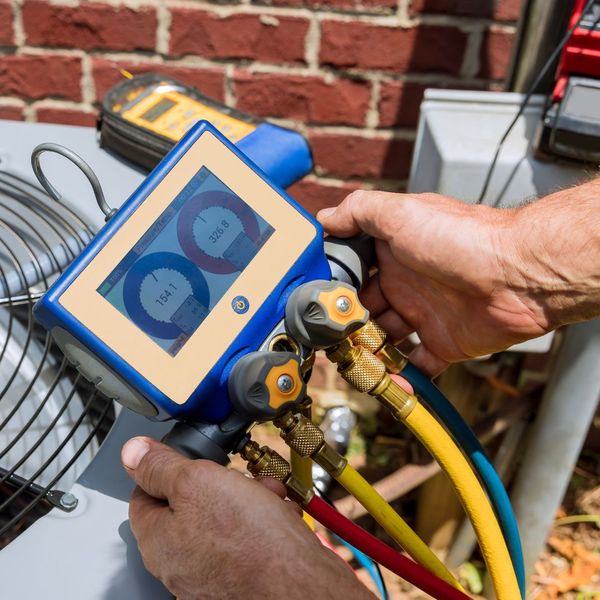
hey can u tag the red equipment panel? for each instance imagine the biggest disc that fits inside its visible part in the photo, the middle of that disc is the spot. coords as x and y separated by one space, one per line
581 55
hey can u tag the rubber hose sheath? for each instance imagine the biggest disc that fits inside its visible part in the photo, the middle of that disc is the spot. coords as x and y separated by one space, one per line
382 553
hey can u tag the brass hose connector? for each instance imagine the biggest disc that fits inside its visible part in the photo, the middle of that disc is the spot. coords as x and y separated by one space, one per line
305 438
263 461
372 337
367 373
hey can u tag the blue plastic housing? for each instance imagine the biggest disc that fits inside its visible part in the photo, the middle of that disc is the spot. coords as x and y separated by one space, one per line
209 401
282 154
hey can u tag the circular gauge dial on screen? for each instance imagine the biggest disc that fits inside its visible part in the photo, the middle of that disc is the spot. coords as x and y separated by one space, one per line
217 230
162 292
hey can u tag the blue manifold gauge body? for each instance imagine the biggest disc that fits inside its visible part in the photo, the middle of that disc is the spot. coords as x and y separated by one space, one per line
189 275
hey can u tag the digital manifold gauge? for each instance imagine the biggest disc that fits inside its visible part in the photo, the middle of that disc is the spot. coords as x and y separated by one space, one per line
192 273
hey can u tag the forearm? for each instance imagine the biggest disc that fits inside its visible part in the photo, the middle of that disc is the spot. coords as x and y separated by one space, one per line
556 254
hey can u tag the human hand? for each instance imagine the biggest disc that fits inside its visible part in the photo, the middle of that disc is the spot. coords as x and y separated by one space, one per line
446 270
209 532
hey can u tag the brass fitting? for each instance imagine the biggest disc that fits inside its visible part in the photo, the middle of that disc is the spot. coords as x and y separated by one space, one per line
265 462
367 373
306 439
357 366
398 401
330 460
372 337
297 491
392 358
343 352
300 434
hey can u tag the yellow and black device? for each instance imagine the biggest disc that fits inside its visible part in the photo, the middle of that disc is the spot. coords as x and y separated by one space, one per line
144 116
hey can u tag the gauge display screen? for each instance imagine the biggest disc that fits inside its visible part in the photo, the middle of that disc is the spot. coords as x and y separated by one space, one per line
158 110
186 261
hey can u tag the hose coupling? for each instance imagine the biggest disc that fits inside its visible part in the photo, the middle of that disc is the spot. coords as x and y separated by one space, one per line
307 440
266 462
361 369
392 358
297 491
372 337
367 373
397 400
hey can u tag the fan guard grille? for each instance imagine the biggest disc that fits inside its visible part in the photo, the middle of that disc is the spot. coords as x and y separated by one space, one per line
52 421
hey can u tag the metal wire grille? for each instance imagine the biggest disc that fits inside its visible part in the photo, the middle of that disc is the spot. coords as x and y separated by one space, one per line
51 420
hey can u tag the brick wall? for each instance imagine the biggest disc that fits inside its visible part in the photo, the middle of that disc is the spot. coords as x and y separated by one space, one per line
349 74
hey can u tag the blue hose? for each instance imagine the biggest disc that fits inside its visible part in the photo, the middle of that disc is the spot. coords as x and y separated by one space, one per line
366 563
466 439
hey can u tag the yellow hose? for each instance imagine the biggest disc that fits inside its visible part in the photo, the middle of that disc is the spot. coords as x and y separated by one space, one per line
474 500
302 469
393 523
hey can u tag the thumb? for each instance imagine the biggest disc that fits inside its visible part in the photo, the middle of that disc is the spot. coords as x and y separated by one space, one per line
403 383
153 466
361 211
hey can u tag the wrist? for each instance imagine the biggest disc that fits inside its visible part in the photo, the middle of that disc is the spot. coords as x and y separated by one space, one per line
524 277
551 266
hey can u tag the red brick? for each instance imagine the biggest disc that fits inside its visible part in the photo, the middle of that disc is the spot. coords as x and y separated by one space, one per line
350 156
399 103
353 5
367 46
495 55
498 10
106 73
246 36
6 28
65 116
11 113
89 26
307 99
39 76
315 195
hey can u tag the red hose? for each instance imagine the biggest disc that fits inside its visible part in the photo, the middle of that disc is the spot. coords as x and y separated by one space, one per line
382 553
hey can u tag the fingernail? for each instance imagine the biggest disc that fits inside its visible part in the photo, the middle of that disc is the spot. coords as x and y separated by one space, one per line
133 452
325 213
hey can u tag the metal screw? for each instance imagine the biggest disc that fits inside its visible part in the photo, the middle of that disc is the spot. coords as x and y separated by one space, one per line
68 501
343 304
285 383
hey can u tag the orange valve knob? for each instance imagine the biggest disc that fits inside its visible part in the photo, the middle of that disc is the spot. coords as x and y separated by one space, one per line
321 314
265 385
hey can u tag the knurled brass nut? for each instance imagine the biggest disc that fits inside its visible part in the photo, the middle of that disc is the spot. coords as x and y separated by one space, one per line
303 436
305 442
370 336
270 464
364 373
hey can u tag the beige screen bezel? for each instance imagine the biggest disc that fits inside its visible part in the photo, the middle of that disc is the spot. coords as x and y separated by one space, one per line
178 376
